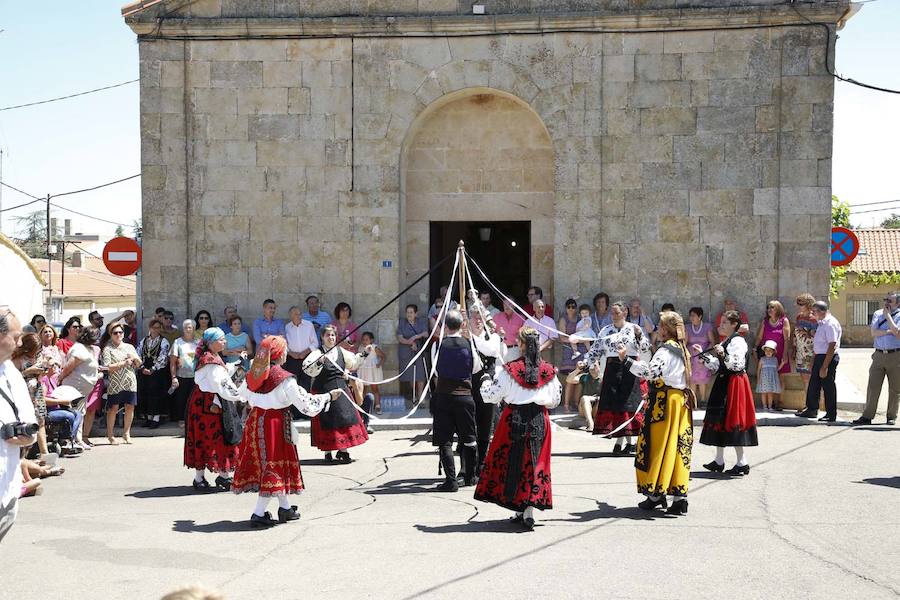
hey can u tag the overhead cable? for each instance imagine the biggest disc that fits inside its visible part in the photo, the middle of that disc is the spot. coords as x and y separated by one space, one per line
100 89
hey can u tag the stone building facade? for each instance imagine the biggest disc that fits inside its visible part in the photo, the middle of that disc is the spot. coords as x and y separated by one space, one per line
667 149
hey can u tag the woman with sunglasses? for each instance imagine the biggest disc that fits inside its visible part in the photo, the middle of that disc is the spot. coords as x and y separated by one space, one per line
776 327
120 359
202 322
69 335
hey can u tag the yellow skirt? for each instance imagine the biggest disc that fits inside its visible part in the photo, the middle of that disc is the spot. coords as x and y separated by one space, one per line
663 457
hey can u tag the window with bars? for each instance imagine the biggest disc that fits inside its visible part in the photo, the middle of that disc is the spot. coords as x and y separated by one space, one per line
861 311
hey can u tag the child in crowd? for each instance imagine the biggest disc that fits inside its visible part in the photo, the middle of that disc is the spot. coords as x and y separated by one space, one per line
584 334
371 368
767 382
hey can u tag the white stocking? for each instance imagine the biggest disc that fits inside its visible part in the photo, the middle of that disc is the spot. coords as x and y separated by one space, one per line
720 455
261 503
529 513
620 442
198 475
283 502
630 439
739 451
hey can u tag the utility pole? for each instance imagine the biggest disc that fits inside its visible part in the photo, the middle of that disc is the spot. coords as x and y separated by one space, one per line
49 264
1 187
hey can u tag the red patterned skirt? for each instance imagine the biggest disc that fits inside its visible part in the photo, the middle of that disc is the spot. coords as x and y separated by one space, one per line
269 463
511 477
327 440
606 421
731 421
204 442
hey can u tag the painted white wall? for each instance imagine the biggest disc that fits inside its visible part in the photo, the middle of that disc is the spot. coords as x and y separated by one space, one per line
22 291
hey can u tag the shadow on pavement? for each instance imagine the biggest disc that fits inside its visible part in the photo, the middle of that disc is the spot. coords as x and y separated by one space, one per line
217 527
877 428
584 455
406 486
608 511
893 482
711 475
173 491
498 526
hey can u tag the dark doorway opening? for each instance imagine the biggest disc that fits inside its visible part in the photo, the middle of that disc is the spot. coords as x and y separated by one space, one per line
501 248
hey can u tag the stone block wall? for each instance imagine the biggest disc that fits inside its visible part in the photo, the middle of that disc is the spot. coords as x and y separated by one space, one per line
686 166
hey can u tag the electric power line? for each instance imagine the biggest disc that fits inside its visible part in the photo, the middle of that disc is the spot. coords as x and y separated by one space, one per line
15 189
108 87
88 216
96 187
872 210
873 203
21 205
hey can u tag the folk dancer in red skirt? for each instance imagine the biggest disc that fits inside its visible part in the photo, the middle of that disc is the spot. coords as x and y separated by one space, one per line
341 426
516 471
269 464
730 415
212 426
620 391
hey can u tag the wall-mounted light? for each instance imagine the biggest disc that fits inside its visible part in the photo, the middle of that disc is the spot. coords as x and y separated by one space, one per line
478 9
513 243
484 234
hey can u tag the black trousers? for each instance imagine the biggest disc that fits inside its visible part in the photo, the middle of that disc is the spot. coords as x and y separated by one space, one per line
453 414
818 384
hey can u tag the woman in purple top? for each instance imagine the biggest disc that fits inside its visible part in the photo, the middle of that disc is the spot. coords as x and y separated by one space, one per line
700 333
345 326
776 327
567 323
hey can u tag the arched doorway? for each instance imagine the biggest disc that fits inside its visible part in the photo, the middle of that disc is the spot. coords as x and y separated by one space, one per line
478 164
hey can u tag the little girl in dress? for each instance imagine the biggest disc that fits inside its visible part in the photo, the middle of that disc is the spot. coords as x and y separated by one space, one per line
583 331
371 368
767 382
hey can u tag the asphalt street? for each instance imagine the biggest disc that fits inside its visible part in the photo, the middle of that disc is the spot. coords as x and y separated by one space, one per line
816 518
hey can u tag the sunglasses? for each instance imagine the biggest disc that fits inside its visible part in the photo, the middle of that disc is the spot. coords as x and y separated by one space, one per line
118 332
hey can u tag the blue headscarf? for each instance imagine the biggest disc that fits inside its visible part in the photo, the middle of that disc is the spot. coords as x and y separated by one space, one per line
213 334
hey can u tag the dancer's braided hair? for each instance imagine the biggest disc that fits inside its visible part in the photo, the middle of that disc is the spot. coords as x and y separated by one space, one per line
531 339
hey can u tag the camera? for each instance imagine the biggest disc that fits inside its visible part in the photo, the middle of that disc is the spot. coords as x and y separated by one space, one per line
17 428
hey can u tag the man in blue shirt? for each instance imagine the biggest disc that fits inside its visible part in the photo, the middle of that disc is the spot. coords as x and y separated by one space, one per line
315 315
268 324
885 328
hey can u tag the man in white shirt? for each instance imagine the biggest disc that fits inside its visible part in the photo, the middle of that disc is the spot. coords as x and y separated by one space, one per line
826 344
15 406
301 340
544 325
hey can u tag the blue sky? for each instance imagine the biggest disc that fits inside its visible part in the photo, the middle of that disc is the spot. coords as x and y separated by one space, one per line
54 48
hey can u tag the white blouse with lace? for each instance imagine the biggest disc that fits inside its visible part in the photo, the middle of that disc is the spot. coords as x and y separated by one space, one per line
217 380
667 364
504 387
735 356
288 393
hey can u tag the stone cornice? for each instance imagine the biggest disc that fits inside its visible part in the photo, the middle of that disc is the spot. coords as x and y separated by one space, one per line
651 20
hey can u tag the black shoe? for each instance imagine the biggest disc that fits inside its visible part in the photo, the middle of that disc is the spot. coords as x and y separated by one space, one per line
528 522
448 485
714 467
223 483
343 456
264 521
808 413
679 507
736 470
328 457
518 518
470 481
630 448
650 504
153 425
861 421
619 450
891 422
827 419
202 485
288 514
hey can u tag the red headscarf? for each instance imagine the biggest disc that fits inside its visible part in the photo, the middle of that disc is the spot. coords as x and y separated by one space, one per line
272 349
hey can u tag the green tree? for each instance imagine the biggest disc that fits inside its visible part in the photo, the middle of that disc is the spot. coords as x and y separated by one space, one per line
120 231
892 222
31 233
136 229
840 217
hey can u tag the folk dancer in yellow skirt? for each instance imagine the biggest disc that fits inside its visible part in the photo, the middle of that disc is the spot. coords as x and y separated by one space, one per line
663 457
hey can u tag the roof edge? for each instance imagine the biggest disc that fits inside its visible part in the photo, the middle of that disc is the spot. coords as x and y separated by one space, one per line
4 240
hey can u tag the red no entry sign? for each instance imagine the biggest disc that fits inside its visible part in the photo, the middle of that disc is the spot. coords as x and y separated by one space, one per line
844 246
122 256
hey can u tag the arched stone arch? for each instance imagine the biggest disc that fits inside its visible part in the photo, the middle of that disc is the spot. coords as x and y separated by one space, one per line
477 154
